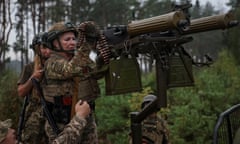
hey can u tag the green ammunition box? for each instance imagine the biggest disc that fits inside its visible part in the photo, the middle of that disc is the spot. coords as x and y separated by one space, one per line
123 76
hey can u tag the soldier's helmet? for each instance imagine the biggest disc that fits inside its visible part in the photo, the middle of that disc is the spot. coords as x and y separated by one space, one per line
147 99
38 39
4 126
58 29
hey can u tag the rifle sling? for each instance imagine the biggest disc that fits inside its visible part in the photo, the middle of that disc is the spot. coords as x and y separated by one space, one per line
45 109
21 122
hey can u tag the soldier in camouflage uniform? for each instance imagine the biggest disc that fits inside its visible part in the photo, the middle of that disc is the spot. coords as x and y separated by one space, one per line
7 134
87 85
69 135
67 62
154 128
33 130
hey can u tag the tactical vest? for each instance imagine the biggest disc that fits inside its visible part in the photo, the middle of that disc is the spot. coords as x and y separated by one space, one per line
88 89
58 94
57 88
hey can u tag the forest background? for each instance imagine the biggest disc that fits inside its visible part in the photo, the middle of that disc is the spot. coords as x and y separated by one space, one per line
191 112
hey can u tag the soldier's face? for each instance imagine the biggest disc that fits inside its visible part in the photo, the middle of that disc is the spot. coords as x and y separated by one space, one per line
45 52
68 41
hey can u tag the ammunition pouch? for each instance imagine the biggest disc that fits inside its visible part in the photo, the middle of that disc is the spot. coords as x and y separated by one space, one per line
180 70
88 89
63 100
57 88
61 109
123 76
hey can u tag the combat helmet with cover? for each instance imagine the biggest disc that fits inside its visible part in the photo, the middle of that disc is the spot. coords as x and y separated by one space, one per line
147 99
57 30
39 39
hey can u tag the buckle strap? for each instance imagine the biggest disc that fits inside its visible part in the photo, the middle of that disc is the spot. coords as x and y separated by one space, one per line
63 100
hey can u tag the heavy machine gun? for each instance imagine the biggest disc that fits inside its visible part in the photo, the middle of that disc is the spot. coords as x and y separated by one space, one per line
161 38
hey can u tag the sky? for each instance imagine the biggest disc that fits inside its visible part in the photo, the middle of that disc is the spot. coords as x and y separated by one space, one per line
218 4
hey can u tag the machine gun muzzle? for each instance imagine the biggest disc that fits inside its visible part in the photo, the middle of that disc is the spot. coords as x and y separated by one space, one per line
215 22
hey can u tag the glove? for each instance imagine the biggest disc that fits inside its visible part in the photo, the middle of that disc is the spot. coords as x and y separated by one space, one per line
91 32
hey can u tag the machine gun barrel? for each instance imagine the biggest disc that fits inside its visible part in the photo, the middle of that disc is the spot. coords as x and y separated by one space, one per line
172 20
175 20
215 22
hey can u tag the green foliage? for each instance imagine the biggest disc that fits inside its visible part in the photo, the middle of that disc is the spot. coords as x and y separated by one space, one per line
152 8
232 36
137 98
111 117
194 111
112 112
10 104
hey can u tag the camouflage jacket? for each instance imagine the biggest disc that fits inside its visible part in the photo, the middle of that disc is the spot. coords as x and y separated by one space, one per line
71 132
69 135
59 73
155 129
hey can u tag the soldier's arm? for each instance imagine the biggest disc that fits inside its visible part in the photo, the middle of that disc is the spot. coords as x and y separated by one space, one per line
24 83
79 65
25 88
72 132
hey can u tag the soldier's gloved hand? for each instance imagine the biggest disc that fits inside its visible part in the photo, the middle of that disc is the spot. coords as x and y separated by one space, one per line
91 32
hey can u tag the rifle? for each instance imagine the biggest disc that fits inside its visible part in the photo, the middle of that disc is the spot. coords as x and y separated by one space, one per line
21 118
45 108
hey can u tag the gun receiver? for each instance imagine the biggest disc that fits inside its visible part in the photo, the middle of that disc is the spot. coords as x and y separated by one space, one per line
215 22
171 21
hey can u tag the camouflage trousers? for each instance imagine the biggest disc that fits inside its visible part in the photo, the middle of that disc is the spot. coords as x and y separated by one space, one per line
88 136
33 131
